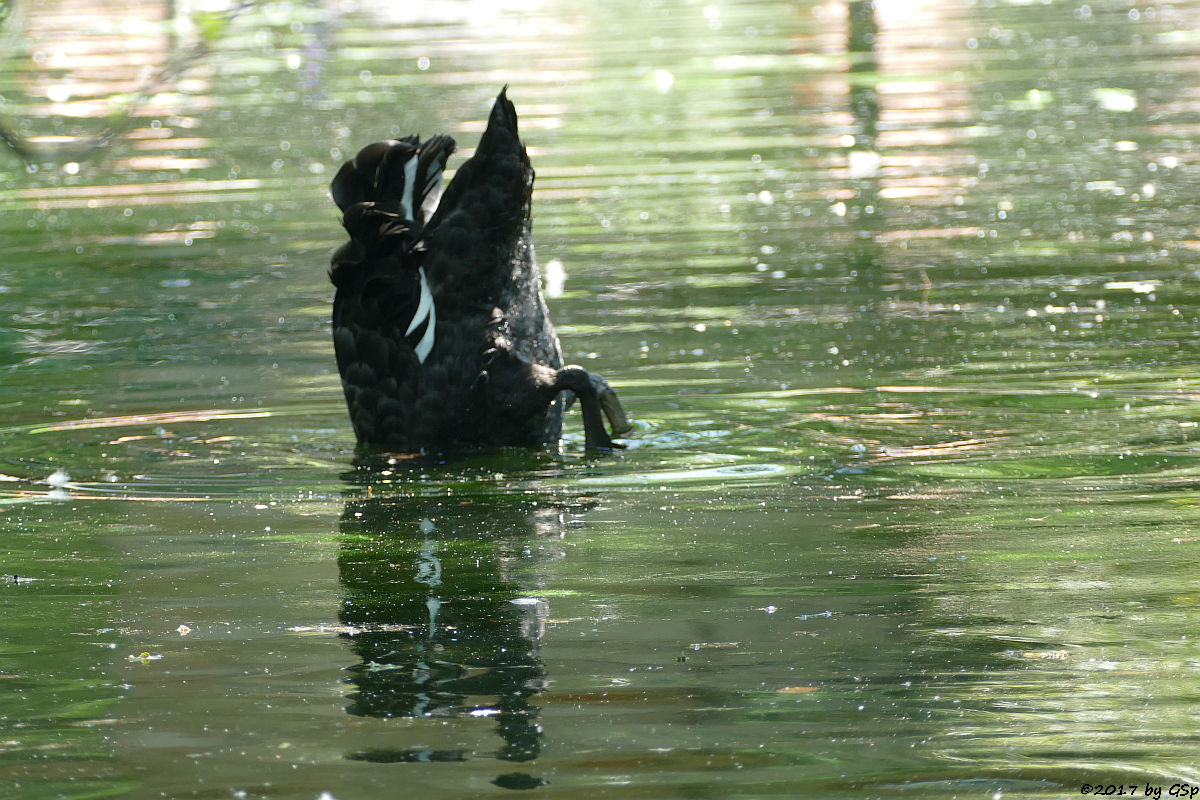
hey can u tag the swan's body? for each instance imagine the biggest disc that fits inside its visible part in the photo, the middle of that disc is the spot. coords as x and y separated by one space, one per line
441 333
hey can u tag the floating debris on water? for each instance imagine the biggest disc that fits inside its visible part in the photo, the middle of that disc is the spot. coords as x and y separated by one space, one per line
58 479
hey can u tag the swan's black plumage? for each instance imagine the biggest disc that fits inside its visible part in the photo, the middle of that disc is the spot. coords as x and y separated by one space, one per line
439 326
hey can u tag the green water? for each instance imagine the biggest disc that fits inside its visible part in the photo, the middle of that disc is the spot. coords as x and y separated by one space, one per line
905 304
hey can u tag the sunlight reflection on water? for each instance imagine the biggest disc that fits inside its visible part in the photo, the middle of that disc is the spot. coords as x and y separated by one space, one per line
735 472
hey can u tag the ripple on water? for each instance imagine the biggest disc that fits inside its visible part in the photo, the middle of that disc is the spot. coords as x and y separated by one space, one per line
730 472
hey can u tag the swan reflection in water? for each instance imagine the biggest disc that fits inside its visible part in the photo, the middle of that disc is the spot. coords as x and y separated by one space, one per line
442 615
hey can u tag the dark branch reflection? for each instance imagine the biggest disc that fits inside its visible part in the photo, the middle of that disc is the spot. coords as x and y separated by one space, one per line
865 210
442 625
862 35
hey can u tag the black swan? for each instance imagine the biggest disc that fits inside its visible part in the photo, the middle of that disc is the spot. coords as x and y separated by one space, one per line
441 332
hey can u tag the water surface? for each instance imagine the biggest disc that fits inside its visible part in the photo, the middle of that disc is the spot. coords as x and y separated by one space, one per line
904 301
